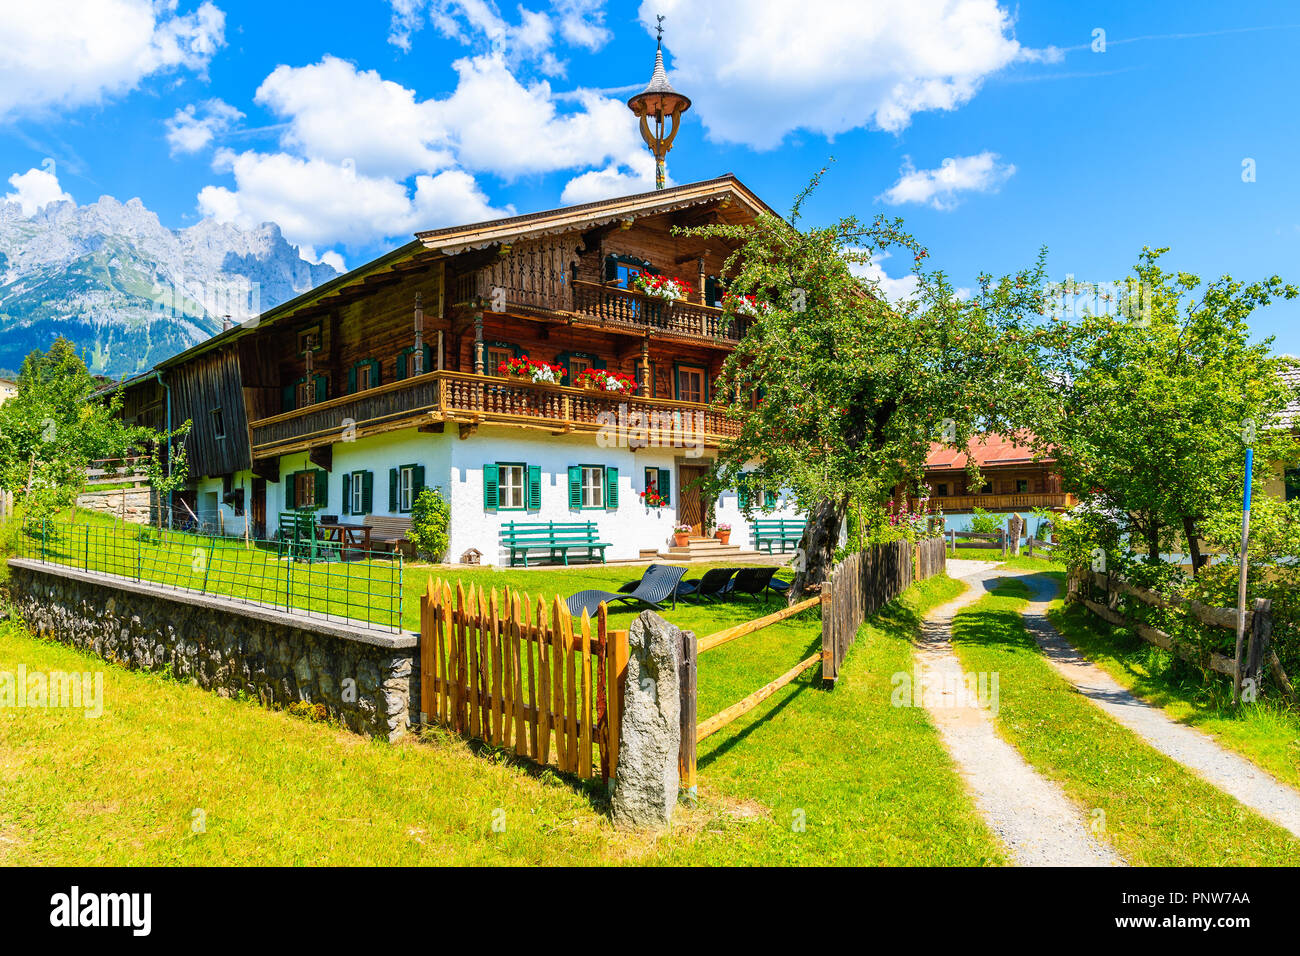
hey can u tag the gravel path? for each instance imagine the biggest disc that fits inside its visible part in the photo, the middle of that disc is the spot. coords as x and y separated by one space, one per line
1036 822
1233 774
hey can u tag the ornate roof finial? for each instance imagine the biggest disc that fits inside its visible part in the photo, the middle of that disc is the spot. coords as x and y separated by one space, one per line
660 101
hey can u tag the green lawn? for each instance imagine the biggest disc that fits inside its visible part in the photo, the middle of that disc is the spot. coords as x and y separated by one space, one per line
1267 731
808 777
1157 813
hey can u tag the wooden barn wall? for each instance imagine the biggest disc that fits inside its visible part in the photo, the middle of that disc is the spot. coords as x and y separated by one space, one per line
206 382
377 325
1040 477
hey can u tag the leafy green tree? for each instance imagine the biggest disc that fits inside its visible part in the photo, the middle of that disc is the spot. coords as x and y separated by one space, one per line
51 430
1150 412
850 390
430 519
984 522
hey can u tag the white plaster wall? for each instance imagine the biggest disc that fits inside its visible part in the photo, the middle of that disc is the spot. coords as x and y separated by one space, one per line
456 466
222 515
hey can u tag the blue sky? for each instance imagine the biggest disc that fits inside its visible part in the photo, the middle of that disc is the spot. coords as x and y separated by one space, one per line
352 124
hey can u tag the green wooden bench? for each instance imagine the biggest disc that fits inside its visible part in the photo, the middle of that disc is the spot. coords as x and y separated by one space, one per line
770 531
555 538
298 532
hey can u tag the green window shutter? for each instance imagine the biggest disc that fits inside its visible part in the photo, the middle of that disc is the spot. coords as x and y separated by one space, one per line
575 487
322 488
289 481
417 482
598 362
611 488
367 492
563 361
321 385
490 492
347 494
287 398
666 485
534 487
743 494
611 268
352 379
392 489
374 372
401 363
428 358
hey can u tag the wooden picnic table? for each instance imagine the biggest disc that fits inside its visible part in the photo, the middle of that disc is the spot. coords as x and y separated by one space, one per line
349 536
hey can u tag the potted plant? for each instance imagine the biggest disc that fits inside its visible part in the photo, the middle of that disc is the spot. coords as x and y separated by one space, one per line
722 532
682 535
539 372
652 499
603 380
668 288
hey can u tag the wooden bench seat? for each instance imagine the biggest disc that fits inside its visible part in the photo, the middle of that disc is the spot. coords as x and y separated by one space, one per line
786 531
554 538
388 533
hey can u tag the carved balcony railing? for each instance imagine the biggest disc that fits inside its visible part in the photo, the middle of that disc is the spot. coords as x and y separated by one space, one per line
471 400
614 306
1004 502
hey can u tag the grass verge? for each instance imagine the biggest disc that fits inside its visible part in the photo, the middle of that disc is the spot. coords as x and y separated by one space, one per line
1153 810
1266 732
171 774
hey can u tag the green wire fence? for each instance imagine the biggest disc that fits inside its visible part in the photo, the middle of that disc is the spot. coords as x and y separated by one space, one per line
299 572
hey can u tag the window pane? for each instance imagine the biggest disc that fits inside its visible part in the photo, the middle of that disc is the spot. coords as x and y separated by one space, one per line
593 487
510 486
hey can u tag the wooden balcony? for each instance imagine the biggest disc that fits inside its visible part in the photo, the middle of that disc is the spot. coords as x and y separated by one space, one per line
1014 502
433 400
610 307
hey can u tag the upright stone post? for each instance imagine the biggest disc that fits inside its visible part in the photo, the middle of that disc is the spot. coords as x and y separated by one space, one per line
1016 526
647 779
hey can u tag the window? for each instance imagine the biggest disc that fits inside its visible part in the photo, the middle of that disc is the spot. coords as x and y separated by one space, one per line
658 483
304 490
309 340
358 502
1291 480
579 364
306 392
510 486
363 378
941 490
987 488
405 487
593 486
622 270
690 384
497 355
1022 486
218 423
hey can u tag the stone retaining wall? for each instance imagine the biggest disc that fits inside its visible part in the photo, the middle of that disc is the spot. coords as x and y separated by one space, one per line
133 505
367 679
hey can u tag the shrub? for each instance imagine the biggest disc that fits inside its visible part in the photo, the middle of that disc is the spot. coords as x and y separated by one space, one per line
430 518
983 522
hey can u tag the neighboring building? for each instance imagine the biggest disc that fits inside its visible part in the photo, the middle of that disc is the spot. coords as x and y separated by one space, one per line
1282 480
1014 481
8 390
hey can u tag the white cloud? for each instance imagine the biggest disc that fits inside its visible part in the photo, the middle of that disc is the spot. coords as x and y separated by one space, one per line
194 127
70 53
894 290
637 176
480 23
34 190
338 113
939 188
319 203
830 66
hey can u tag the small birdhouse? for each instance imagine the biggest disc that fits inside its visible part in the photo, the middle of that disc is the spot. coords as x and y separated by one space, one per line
472 556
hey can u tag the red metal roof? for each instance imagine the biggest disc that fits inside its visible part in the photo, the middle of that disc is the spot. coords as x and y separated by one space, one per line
990 451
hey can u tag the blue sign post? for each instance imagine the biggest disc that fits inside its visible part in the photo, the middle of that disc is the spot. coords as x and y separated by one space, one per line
1241 577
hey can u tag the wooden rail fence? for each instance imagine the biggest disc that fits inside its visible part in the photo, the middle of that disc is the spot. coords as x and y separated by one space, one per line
863 583
523 676
1100 593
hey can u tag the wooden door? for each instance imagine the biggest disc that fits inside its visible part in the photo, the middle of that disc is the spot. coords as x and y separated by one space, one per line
258 508
690 503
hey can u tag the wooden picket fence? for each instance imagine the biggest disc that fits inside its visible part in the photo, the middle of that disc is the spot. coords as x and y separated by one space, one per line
866 581
516 675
